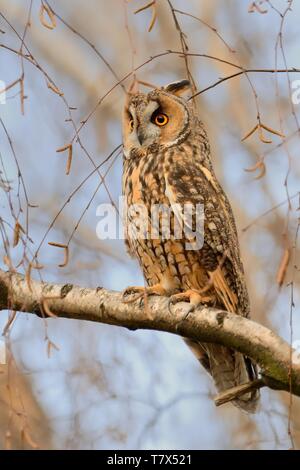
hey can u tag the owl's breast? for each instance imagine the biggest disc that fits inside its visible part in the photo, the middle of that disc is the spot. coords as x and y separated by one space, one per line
143 180
149 224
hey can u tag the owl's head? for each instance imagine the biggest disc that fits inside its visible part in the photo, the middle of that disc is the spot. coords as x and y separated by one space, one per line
160 117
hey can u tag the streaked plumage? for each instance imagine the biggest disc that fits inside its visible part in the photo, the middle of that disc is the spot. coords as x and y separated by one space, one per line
170 164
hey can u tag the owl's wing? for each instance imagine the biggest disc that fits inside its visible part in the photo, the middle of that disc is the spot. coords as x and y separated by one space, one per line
192 182
195 183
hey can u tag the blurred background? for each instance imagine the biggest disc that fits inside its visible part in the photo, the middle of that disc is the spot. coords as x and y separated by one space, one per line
78 385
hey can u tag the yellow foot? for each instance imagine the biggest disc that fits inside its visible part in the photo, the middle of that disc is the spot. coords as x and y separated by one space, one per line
194 297
137 292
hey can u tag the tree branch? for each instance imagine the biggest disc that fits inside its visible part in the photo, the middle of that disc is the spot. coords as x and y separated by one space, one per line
204 324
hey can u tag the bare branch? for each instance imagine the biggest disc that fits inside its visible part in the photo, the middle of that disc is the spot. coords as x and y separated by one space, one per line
204 324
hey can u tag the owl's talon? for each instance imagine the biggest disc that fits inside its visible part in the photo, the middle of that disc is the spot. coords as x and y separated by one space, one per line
191 296
169 305
134 293
139 293
190 310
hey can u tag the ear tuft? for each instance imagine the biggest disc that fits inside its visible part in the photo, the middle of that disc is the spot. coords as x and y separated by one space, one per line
178 88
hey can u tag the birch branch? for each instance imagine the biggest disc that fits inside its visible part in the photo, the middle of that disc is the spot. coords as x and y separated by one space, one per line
280 365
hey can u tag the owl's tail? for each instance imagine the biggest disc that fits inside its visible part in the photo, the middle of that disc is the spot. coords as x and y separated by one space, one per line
228 368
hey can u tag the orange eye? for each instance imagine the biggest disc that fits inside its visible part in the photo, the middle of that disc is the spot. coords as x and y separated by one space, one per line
131 124
161 119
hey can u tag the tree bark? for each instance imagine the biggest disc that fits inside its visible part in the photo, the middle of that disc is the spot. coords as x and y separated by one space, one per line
280 365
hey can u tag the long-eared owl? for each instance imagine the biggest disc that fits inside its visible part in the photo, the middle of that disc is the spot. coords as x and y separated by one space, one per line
167 163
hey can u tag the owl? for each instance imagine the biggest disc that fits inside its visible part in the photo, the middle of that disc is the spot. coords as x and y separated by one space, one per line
167 164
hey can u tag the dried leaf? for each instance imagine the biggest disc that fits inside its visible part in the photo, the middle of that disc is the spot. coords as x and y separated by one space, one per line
6 260
26 437
260 126
283 267
153 19
250 133
46 308
262 137
69 161
273 131
10 320
28 277
16 234
62 149
48 24
255 7
66 259
18 228
54 89
68 147
66 254
154 13
37 266
259 165
148 5
59 245
51 345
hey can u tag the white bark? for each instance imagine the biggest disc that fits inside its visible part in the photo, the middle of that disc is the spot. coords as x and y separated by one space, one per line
268 350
